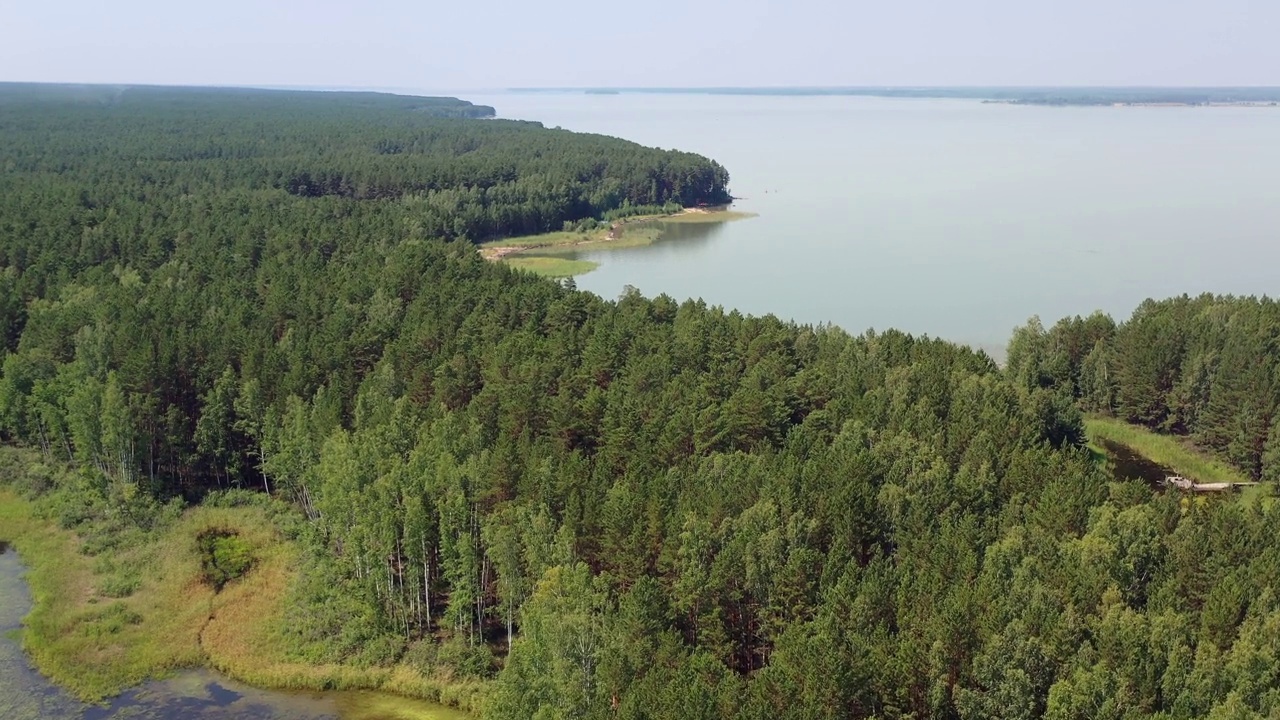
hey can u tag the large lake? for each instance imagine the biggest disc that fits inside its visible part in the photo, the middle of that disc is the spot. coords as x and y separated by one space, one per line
949 217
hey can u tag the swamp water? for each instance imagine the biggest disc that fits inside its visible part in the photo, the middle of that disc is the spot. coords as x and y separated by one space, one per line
1127 464
195 695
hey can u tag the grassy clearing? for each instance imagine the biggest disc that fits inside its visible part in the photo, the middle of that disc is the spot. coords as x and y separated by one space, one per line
1162 449
546 240
628 237
633 232
628 234
554 267
1259 494
142 609
519 252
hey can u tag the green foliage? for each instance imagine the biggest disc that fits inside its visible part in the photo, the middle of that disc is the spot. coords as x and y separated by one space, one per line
466 660
655 508
550 266
1204 368
329 620
224 556
1169 451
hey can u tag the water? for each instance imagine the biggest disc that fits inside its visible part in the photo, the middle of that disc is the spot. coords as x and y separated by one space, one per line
948 217
1128 464
198 695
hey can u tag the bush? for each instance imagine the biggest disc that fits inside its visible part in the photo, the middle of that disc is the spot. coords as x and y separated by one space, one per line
328 620
473 661
423 656
224 556
235 498
381 651
119 586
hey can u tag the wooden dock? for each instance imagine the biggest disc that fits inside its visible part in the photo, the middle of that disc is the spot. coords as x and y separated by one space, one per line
1189 485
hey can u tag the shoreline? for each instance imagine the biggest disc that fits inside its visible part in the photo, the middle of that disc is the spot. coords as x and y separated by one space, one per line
539 247
1136 104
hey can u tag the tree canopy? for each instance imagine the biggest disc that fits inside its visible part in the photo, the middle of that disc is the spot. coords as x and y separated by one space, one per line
614 508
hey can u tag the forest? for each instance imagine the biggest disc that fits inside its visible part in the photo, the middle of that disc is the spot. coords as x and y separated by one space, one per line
633 508
1206 369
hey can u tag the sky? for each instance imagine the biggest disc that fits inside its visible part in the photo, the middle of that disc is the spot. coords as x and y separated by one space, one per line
494 44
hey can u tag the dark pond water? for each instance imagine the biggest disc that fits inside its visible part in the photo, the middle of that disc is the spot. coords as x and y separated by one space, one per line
1129 465
196 695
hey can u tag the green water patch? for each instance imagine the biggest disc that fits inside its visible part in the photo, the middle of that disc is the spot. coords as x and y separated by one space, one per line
203 695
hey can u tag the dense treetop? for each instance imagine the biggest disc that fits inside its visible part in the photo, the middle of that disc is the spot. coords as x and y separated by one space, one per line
1206 368
137 167
632 508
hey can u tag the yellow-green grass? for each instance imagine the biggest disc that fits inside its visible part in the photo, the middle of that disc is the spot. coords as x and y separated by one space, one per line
550 266
551 239
383 706
91 644
629 234
1264 494
96 646
1163 450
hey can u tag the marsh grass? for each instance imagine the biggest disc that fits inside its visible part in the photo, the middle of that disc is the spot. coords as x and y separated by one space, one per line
127 612
370 706
546 266
538 253
1164 450
629 234
552 239
96 628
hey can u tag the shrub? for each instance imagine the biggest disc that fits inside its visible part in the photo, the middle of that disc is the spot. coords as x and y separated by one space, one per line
224 556
473 661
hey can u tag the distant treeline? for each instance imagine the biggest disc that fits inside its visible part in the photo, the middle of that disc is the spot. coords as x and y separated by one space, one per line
226 102
1207 368
107 158
1017 95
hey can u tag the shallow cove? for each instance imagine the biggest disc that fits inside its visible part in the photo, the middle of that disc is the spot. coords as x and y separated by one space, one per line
200 694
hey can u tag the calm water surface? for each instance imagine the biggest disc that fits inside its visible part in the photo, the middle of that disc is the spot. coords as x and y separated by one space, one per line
946 217
26 695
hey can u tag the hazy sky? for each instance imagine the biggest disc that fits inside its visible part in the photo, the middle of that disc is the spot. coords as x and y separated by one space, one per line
482 44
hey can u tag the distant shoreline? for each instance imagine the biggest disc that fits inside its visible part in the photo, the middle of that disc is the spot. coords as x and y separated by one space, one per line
1248 104
1092 96
614 235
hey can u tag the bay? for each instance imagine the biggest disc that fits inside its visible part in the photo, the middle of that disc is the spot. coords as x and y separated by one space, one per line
952 218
